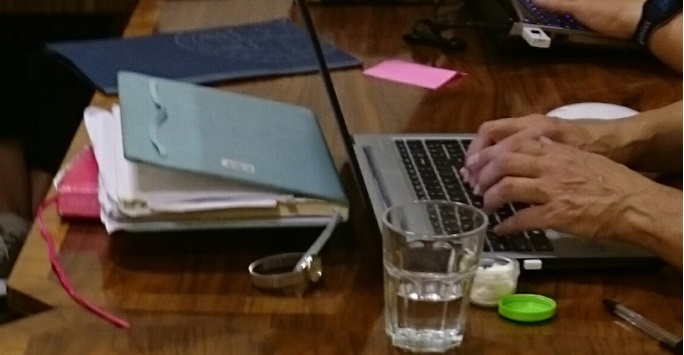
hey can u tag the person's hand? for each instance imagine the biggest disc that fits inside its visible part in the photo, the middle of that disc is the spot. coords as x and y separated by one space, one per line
584 134
617 19
569 190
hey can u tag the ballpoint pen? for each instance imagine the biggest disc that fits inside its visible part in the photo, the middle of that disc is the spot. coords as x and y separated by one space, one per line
666 339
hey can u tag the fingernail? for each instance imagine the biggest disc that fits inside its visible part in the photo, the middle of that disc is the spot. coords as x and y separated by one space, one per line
472 160
472 180
464 174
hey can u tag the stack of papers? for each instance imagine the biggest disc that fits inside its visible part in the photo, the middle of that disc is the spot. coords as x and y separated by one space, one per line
173 192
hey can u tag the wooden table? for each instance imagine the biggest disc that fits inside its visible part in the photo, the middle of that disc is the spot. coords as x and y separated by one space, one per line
190 292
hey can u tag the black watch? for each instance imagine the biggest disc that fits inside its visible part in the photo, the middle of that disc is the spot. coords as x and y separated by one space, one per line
655 14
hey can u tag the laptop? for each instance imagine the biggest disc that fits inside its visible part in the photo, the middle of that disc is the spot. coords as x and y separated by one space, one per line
395 168
516 19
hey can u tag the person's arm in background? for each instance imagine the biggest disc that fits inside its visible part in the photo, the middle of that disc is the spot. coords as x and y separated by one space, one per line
629 141
619 19
666 43
562 168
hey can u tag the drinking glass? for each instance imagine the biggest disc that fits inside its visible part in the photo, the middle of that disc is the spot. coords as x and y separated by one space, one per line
431 250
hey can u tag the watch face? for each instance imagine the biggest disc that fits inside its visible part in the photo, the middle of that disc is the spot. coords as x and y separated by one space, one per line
665 6
655 13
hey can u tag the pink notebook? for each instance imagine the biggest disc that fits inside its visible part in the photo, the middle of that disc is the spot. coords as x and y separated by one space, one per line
77 190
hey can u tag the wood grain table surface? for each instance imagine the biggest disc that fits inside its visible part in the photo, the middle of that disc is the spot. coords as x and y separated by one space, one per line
190 292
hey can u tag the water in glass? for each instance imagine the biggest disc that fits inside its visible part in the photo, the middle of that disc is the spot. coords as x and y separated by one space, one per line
425 311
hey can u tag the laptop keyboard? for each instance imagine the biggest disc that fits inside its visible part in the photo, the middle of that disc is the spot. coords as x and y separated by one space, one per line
432 166
534 15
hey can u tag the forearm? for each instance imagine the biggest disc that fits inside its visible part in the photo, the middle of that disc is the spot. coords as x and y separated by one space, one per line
666 43
654 222
650 141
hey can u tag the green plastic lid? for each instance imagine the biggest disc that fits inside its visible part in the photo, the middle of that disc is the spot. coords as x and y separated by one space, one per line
527 307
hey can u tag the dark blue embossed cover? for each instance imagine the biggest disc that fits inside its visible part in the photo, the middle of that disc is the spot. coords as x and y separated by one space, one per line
276 47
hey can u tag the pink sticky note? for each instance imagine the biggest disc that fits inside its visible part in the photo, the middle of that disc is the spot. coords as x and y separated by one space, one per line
411 73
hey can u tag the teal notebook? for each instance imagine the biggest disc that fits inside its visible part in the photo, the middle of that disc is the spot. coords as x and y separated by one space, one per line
264 143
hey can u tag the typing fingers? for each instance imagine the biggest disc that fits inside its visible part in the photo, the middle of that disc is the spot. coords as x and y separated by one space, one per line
505 164
525 219
491 132
512 188
514 144
483 140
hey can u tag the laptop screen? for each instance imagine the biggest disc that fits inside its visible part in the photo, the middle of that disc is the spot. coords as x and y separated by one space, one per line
335 103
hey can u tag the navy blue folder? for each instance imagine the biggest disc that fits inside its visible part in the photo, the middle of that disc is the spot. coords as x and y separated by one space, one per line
276 47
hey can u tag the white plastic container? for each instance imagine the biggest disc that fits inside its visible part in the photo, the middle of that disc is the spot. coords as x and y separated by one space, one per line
495 278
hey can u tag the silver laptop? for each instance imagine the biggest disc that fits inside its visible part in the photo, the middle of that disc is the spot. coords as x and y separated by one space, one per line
406 167
403 167
514 16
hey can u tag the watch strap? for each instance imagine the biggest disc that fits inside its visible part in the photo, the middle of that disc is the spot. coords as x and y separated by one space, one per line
655 13
275 272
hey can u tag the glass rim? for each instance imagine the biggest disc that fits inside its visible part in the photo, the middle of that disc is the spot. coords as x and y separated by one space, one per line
436 236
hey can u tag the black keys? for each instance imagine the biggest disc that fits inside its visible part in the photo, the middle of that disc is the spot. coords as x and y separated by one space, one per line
535 15
539 240
519 242
432 167
504 212
411 171
498 242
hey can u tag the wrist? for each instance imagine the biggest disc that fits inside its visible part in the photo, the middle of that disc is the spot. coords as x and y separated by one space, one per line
626 140
666 43
628 21
618 140
652 219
